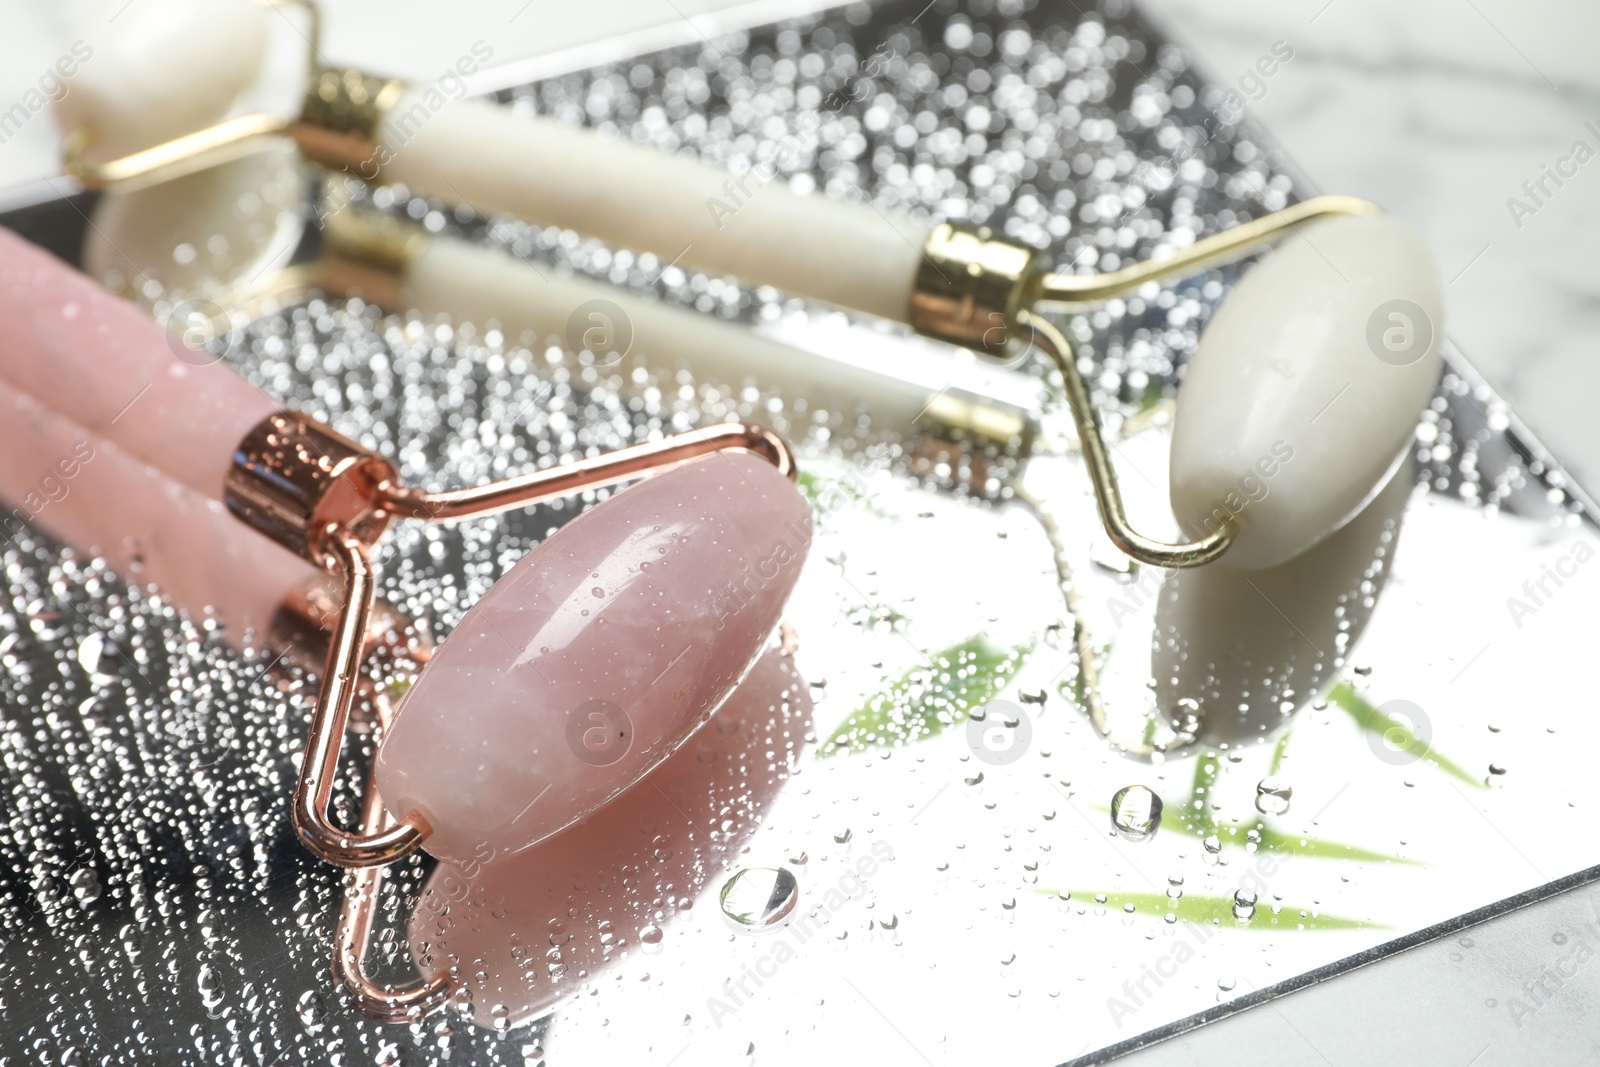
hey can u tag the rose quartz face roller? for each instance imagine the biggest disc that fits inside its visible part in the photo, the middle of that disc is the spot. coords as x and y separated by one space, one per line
1329 354
471 921
589 663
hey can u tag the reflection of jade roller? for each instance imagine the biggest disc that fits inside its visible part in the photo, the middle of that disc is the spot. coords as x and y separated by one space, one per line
1330 346
585 666
398 265
233 261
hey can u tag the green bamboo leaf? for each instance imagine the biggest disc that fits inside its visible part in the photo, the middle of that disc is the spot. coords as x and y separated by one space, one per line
927 699
1278 751
1195 819
1375 722
1214 910
1278 841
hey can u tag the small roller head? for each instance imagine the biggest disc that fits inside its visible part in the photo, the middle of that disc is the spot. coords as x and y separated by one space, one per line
159 69
1306 387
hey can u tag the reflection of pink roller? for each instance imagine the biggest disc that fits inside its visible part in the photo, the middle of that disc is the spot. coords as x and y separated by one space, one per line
599 654
1289 338
468 927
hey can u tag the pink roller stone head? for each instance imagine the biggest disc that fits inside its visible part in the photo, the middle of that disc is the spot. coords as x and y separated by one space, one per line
595 657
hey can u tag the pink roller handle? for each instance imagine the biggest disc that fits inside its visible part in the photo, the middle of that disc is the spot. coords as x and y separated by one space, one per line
92 495
102 363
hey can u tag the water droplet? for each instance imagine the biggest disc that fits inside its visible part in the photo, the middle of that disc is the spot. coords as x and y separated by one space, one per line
651 935
210 986
89 650
1244 904
1136 812
760 897
843 837
85 885
311 1009
598 592
1213 844
1272 796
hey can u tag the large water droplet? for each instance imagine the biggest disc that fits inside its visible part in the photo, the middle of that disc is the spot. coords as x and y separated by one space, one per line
651 935
85 885
1136 812
89 650
1272 796
1244 904
210 986
760 897
311 1010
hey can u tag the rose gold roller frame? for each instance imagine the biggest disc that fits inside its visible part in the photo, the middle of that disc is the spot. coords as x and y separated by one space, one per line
328 499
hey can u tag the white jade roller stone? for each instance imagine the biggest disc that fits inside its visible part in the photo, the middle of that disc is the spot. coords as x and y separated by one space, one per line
162 69
1307 387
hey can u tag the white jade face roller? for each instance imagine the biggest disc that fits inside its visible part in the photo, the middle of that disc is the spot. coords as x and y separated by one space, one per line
1311 379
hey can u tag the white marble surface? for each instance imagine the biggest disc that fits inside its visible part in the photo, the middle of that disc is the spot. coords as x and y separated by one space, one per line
1439 110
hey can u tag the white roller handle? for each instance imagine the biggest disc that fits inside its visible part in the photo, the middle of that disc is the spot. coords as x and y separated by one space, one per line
632 196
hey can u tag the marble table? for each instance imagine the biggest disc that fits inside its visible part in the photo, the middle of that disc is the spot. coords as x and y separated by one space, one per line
1451 113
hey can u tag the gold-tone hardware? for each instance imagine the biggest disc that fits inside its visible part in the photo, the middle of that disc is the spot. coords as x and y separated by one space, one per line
981 291
1092 288
1101 472
970 285
386 1002
293 479
341 116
